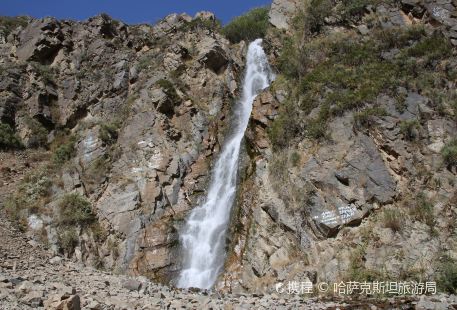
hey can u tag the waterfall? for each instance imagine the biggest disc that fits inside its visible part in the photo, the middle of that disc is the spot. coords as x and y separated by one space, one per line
203 236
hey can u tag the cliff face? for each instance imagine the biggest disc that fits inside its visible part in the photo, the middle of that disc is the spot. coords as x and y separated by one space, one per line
349 166
347 176
130 117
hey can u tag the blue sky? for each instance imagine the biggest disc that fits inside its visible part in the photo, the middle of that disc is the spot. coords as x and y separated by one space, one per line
129 11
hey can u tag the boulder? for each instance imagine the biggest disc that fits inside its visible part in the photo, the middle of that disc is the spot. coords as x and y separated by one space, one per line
33 299
132 285
63 302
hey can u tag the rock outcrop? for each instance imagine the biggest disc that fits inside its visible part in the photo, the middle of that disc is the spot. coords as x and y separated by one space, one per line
282 12
122 123
140 108
319 210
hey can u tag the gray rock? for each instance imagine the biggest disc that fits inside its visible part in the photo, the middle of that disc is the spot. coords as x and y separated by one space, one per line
121 80
40 40
213 56
132 285
282 12
363 29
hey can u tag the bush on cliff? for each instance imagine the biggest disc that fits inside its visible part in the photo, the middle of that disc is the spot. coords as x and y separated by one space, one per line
75 209
108 132
8 139
329 75
9 24
449 153
247 27
447 280
65 151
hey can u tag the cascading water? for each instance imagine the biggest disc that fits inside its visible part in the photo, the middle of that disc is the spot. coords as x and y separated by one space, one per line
203 237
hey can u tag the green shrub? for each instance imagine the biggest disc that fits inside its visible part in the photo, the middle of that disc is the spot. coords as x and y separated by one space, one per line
357 269
432 48
352 8
316 12
67 240
286 126
248 27
399 37
449 153
199 23
39 136
454 108
392 219
168 89
100 234
8 139
295 158
423 210
14 208
75 209
447 276
400 102
145 61
32 194
345 72
316 129
108 133
409 129
46 72
364 118
9 24
37 184
355 80
292 60
64 152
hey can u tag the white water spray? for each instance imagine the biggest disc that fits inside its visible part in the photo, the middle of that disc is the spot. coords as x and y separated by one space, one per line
203 237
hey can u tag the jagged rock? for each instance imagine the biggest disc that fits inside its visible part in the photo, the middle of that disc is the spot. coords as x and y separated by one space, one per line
172 21
264 108
118 204
103 72
164 103
103 25
33 299
282 12
121 80
205 15
213 56
63 302
40 40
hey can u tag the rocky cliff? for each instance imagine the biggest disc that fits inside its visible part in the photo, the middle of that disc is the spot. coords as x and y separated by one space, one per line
348 171
349 165
128 118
